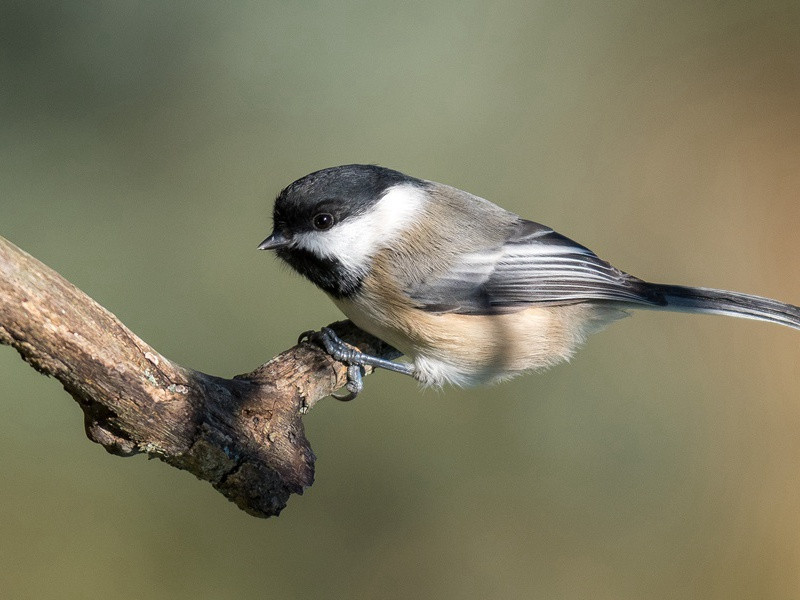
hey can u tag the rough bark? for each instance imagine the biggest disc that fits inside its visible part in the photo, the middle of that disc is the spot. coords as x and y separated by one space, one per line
244 435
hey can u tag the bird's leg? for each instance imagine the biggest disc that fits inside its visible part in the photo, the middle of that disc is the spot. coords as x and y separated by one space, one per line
353 358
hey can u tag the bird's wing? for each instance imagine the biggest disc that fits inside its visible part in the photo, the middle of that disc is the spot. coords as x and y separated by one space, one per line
535 265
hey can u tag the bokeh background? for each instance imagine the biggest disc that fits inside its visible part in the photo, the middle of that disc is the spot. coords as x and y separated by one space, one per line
141 146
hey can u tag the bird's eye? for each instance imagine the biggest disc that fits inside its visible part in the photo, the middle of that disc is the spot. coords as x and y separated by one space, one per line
323 221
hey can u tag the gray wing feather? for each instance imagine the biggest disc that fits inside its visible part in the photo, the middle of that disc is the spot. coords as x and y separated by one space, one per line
535 265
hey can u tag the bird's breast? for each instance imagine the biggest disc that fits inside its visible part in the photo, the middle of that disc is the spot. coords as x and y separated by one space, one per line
466 349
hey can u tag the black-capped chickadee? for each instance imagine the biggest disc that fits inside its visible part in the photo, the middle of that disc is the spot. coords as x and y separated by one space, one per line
470 292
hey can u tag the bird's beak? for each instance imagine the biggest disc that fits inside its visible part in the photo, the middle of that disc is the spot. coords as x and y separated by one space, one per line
277 240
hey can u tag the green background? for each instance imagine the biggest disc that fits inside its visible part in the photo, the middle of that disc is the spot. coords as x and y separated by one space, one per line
141 146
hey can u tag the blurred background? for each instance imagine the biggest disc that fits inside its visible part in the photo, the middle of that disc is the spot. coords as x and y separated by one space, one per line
141 146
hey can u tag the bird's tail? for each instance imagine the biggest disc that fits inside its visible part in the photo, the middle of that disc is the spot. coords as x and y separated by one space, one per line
721 302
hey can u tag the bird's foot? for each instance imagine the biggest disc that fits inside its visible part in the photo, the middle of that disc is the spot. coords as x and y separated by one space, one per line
353 358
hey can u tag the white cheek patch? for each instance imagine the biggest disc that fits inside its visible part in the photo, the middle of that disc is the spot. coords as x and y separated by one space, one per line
356 239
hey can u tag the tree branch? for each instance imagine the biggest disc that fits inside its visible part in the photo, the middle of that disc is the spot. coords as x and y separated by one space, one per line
244 435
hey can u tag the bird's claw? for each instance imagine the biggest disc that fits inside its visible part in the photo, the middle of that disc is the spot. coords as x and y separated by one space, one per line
355 383
353 357
343 352
305 336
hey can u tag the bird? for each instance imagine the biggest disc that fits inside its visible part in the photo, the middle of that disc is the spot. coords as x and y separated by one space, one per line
469 292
